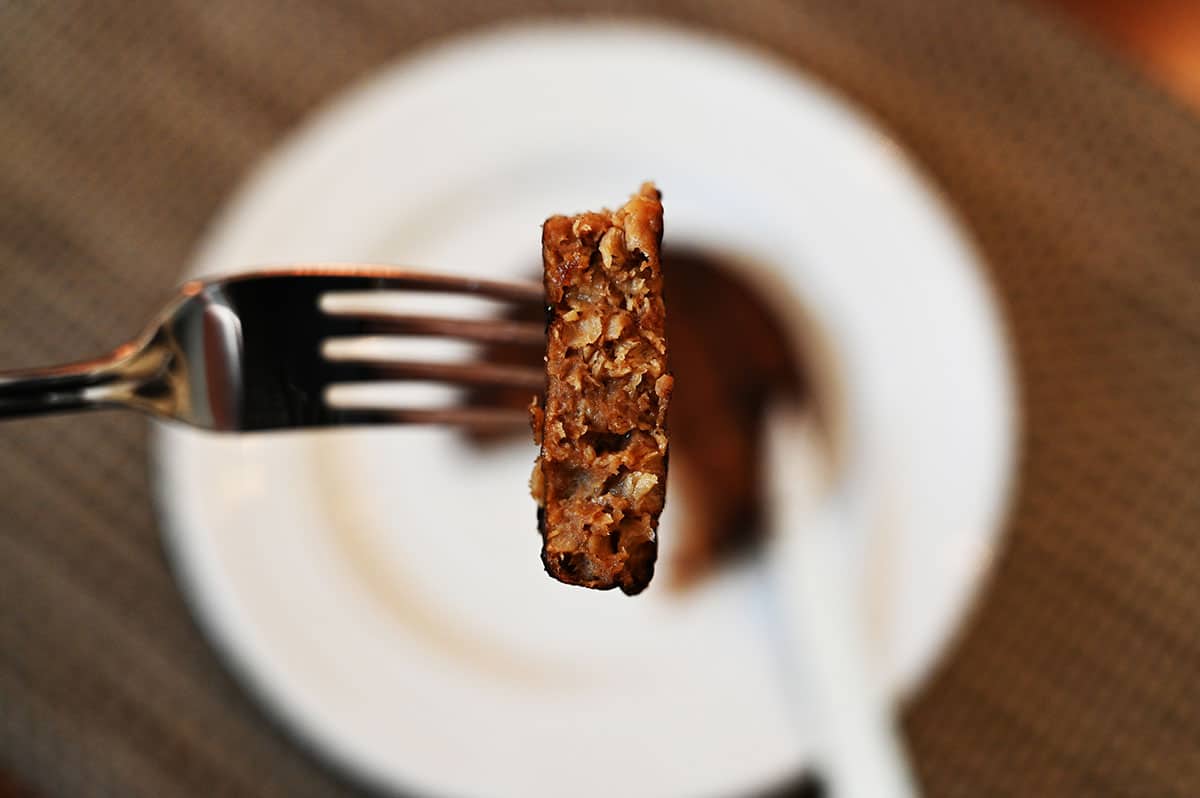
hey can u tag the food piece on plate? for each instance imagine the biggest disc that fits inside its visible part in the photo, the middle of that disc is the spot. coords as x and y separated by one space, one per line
601 477
735 371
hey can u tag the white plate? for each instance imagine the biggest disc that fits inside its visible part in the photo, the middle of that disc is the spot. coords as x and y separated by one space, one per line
381 590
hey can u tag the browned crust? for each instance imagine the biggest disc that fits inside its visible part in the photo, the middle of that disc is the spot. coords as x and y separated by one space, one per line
600 479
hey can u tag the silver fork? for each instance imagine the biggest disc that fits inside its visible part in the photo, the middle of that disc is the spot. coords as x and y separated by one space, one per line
245 353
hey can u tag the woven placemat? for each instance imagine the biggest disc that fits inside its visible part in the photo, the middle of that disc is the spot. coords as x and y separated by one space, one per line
124 126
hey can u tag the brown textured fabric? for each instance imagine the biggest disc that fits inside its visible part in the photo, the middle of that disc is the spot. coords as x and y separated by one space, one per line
122 127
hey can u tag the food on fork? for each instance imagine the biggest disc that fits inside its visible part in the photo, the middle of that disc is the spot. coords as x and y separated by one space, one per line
600 480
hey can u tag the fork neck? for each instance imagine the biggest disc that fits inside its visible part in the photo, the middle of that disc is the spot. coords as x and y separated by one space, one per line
125 378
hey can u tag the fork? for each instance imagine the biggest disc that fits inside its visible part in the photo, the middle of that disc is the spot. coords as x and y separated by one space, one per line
246 353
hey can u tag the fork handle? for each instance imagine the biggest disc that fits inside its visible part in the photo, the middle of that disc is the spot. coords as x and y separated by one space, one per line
75 386
110 381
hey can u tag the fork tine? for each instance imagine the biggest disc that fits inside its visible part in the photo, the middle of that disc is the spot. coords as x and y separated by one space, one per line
489 331
458 416
476 374
361 277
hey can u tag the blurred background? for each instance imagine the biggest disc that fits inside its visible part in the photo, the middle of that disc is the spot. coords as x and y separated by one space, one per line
1065 134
